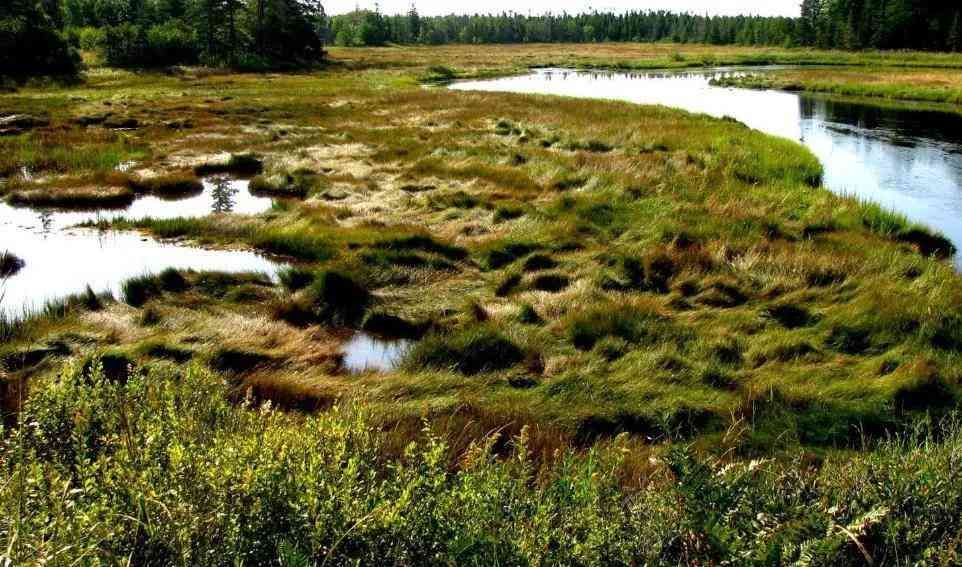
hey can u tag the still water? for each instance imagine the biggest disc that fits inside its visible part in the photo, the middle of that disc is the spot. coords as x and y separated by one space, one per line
906 159
61 260
365 352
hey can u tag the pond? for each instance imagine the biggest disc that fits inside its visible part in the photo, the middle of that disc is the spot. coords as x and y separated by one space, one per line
908 159
60 260
365 352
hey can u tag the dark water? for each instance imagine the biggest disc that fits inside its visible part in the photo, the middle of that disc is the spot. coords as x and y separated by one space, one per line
906 159
60 260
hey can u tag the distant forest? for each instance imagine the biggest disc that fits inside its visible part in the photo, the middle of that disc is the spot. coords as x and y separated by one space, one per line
845 24
44 36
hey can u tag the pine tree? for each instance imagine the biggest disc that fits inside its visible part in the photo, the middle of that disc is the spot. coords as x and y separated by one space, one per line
414 23
955 34
808 22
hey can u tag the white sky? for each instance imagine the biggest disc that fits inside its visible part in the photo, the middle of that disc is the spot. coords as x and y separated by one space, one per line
436 7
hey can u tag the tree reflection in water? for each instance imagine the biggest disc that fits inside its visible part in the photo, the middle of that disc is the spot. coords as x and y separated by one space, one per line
222 192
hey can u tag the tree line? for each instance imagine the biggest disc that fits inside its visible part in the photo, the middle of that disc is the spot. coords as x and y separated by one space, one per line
42 37
844 24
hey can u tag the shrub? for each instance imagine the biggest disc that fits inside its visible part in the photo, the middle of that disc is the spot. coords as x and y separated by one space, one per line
468 351
439 74
505 253
508 285
131 45
170 43
539 262
387 325
235 361
653 272
789 316
297 185
90 38
31 45
424 244
124 45
507 212
172 280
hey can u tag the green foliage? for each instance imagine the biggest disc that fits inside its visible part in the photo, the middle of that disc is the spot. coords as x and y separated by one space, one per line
32 42
115 469
251 34
133 45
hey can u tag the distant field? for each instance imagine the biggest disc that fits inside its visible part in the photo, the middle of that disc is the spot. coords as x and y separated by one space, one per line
626 55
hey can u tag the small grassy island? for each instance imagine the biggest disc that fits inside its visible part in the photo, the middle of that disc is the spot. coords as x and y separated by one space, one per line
636 335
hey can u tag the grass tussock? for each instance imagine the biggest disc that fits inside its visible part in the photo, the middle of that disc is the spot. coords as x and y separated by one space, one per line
298 184
170 186
332 297
470 351
88 197
237 164
10 264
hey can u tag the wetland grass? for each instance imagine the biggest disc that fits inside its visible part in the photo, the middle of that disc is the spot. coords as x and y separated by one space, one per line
684 327
10 264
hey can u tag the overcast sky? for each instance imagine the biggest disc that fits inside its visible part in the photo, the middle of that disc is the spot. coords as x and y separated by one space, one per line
435 7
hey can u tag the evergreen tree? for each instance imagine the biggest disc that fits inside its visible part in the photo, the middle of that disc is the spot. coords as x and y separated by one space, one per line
954 42
414 23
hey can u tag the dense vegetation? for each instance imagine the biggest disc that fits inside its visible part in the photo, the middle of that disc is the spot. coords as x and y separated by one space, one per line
31 42
881 24
848 24
42 37
159 468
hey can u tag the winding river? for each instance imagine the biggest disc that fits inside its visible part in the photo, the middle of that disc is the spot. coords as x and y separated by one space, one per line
908 159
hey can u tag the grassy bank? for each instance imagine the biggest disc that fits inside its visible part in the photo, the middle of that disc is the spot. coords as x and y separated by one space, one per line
617 282
930 85
471 62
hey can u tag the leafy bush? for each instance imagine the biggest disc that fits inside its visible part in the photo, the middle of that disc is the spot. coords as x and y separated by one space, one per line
30 44
171 43
118 470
